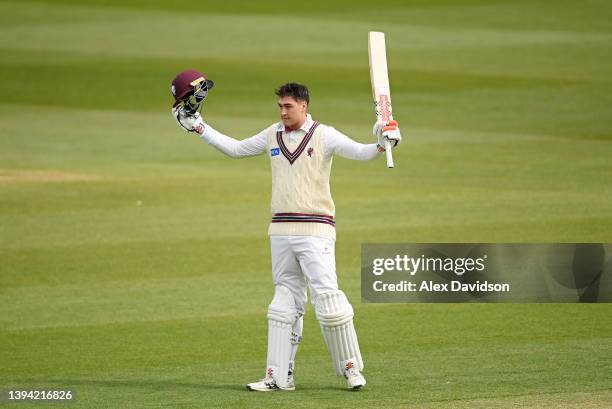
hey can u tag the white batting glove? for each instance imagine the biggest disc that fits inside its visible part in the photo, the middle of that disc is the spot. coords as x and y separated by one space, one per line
387 131
190 123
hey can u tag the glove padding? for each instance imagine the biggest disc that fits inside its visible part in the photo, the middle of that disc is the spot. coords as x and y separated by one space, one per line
387 131
189 122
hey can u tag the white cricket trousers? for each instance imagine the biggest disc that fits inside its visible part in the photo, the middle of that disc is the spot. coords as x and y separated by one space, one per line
304 261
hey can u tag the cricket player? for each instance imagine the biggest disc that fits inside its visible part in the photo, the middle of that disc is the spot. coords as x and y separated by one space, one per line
302 230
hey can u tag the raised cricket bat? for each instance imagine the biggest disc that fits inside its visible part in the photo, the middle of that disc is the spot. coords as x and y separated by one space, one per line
380 83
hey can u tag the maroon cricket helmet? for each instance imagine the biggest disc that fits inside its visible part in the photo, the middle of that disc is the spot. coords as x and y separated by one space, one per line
189 82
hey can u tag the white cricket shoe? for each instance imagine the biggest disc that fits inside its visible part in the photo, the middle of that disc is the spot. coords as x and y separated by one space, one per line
268 384
354 378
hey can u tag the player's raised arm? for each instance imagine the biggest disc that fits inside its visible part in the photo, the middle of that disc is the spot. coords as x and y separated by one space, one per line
253 146
190 89
337 143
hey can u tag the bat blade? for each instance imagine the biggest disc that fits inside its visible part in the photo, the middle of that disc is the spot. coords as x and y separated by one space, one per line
379 77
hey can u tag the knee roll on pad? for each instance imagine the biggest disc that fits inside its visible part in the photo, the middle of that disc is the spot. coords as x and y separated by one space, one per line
333 309
335 315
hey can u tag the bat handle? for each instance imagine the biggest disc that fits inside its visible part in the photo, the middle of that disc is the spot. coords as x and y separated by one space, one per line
389 154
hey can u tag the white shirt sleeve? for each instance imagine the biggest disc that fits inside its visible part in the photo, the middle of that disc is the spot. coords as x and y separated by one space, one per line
253 146
335 142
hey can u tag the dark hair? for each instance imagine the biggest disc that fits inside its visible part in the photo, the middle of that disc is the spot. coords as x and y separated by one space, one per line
297 91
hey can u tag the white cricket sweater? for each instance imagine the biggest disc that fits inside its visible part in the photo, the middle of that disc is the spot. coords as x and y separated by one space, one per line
301 164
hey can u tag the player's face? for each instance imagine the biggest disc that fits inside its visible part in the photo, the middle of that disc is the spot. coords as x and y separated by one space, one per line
292 112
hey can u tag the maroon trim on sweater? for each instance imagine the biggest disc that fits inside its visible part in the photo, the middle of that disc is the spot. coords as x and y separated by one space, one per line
303 218
292 156
305 214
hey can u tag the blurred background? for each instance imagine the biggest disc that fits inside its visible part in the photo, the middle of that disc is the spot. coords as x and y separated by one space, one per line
134 261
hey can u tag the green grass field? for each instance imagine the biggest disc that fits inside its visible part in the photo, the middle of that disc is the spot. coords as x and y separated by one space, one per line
134 261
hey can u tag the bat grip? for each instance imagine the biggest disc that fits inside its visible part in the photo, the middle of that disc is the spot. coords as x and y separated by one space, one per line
389 154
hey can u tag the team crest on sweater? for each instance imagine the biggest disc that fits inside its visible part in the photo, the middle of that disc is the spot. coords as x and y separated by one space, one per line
310 151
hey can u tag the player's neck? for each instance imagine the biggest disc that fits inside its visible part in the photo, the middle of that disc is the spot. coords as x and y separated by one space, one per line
298 125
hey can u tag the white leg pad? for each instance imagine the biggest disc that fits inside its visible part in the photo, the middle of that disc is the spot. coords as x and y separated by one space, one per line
282 315
335 315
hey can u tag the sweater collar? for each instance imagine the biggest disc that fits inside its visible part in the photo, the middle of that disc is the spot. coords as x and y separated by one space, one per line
305 126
